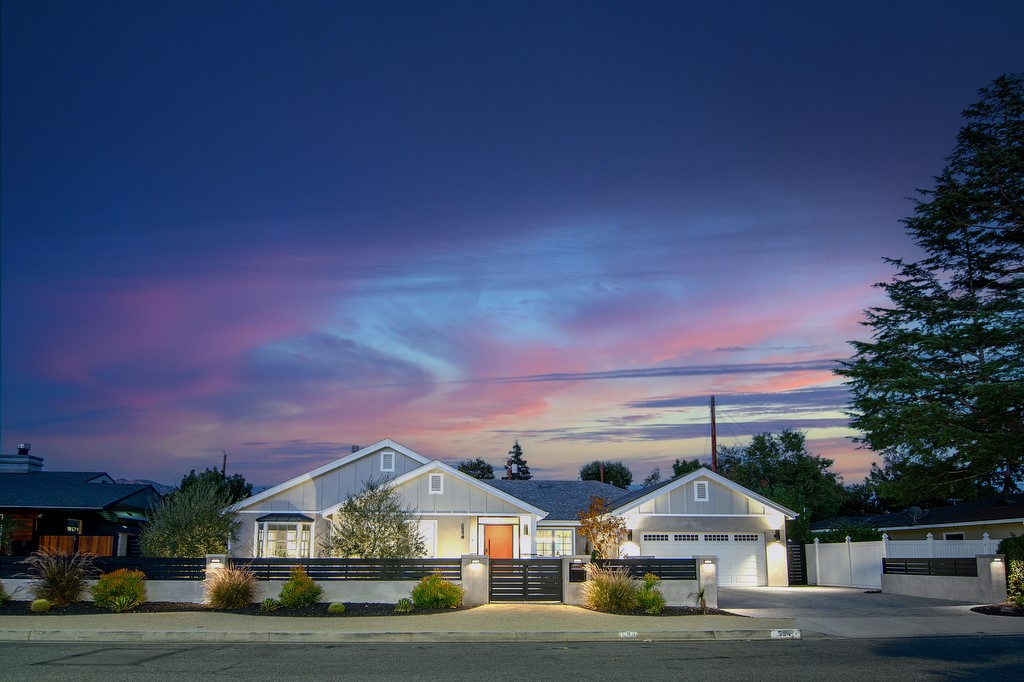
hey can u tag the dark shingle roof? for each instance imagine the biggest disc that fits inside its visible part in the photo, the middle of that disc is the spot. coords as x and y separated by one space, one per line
64 490
561 499
999 508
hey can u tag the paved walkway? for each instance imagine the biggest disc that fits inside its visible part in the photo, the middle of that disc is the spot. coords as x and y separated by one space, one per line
847 612
491 623
771 612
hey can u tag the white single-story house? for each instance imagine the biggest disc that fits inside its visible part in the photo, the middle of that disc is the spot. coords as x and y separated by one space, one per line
701 513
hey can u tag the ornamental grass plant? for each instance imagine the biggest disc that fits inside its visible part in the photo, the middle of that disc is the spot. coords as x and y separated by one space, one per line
58 577
609 589
230 588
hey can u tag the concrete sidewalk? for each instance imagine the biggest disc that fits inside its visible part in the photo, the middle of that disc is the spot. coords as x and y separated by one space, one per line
490 623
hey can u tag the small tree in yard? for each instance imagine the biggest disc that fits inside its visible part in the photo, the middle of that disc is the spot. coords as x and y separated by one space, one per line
375 524
603 531
193 522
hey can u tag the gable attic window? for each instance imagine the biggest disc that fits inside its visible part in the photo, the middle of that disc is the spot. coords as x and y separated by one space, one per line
701 492
436 484
387 460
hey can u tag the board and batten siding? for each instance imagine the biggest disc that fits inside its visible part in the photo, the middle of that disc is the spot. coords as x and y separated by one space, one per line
721 500
333 486
458 497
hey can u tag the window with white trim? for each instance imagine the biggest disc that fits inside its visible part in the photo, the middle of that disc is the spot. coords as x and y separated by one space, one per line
716 537
655 537
686 537
285 540
701 492
555 541
746 537
436 484
387 460
952 536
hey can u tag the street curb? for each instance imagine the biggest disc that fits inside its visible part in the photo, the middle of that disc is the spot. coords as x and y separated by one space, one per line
191 636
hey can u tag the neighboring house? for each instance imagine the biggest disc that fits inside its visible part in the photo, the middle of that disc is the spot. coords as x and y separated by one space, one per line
70 510
701 513
1000 516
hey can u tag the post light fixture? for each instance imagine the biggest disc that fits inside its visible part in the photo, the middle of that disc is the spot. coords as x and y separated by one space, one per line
475 562
709 561
997 560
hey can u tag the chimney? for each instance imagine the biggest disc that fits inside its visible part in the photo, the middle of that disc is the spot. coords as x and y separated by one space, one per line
21 463
356 448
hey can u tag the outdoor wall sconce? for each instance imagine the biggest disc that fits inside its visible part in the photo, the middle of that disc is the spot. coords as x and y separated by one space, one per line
526 529
629 535
778 535
462 531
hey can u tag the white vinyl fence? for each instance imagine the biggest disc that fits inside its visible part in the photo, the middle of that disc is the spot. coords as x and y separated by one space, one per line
859 564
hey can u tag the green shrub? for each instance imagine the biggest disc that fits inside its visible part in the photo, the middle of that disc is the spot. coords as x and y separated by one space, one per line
4 594
336 608
121 590
652 601
648 597
269 604
230 588
404 605
300 590
61 578
1013 548
40 606
434 592
609 589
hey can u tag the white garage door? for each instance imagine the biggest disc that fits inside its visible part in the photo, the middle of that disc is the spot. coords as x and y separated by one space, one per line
741 556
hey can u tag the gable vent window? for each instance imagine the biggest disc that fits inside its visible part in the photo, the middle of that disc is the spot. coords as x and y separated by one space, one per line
436 484
700 491
387 460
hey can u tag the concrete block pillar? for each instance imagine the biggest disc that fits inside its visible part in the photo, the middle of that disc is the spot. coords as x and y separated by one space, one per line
992 578
476 569
214 562
707 578
572 593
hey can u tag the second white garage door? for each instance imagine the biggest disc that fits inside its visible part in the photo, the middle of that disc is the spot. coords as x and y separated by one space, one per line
741 556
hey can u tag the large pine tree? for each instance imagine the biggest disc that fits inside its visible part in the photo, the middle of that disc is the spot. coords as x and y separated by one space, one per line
939 388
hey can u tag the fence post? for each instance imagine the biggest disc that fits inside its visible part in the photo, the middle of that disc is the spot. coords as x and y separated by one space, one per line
885 545
931 546
849 557
817 562
475 577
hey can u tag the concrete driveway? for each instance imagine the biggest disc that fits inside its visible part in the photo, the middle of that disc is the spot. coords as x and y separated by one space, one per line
845 612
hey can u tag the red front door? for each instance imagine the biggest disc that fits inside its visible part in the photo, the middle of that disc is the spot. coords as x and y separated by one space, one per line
498 541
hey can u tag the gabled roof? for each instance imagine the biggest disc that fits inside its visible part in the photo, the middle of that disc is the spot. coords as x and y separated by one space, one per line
67 490
330 466
996 509
562 499
437 466
635 499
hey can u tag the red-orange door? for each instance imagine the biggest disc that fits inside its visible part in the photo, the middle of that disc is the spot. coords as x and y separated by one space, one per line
498 541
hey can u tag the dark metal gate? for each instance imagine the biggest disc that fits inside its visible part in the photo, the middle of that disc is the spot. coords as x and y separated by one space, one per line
526 580
796 559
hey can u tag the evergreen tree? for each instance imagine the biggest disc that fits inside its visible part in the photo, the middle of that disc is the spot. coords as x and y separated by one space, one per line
616 473
234 487
520 472
477 468
685 466
939 388
375 524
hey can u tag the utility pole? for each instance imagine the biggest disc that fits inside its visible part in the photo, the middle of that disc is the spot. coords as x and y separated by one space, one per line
224 465
714 438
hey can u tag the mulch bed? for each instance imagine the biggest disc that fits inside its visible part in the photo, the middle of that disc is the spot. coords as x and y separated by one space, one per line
85 608
999 610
